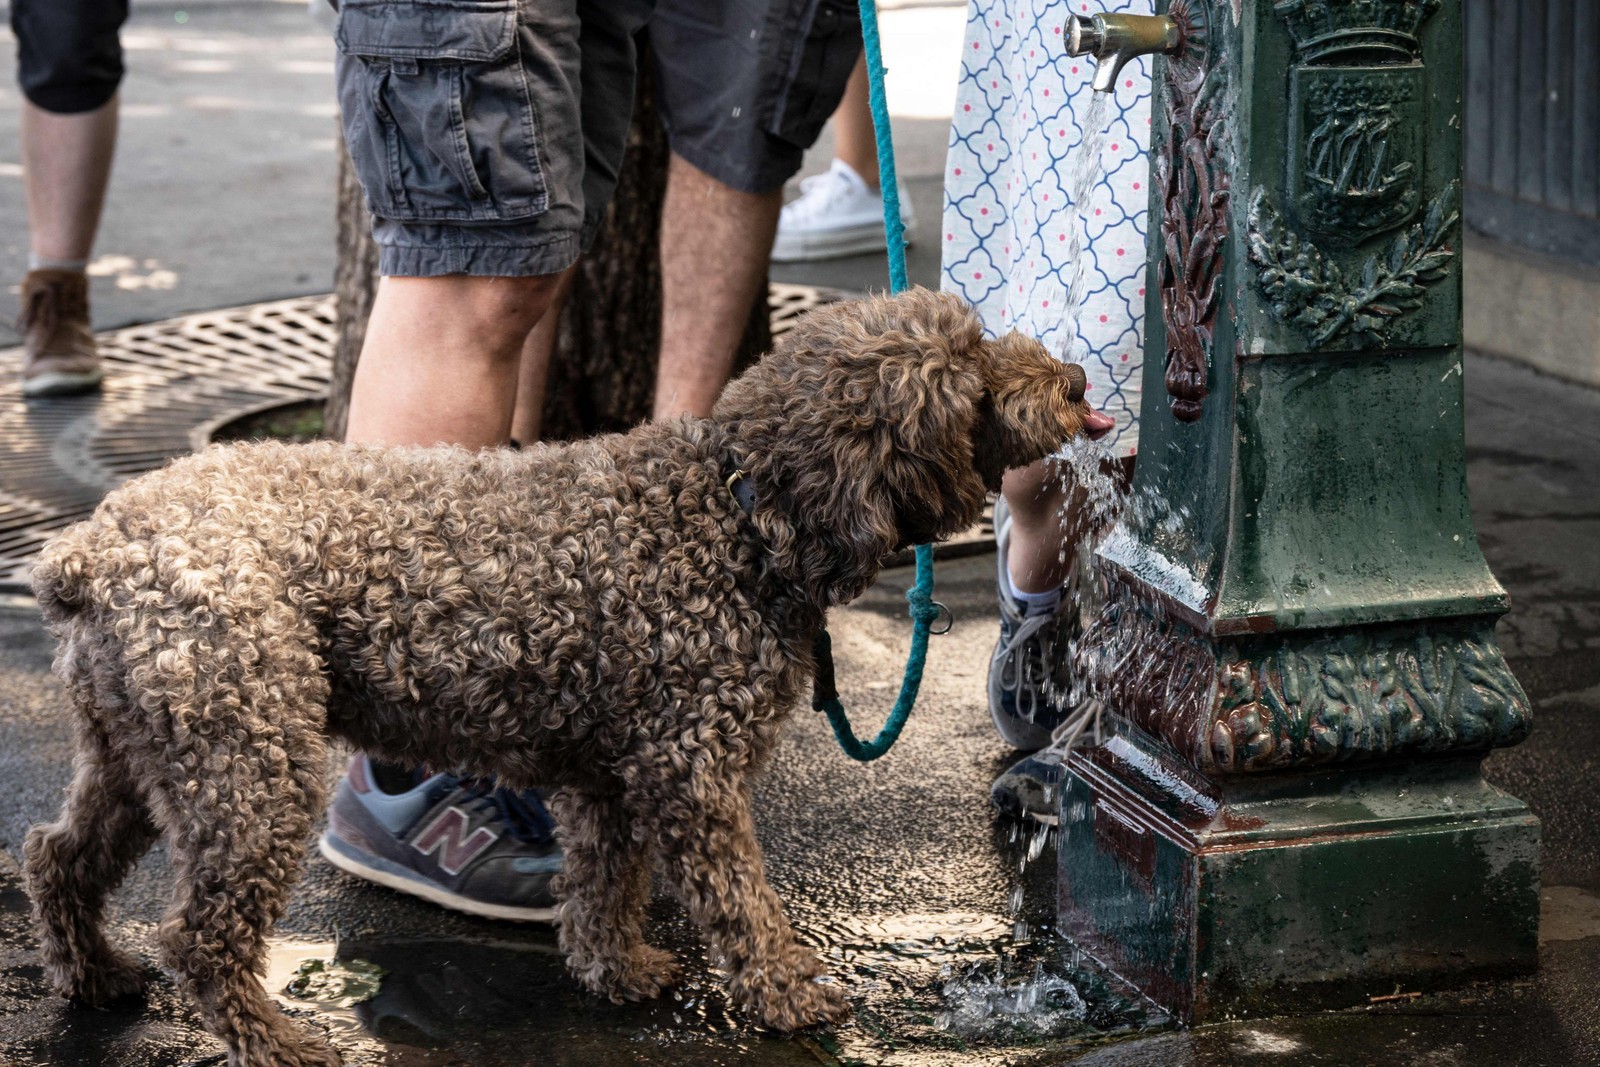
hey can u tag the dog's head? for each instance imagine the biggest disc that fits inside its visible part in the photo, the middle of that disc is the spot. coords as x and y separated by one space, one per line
881 423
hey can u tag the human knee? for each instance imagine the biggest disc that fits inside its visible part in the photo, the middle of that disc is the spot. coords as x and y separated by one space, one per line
496 314
1035 493
69 57
510 306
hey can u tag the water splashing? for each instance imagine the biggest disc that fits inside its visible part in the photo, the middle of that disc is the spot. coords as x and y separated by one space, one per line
984 1003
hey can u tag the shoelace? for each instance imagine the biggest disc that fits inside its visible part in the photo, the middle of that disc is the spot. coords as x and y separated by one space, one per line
1084 724
1017 663
523 813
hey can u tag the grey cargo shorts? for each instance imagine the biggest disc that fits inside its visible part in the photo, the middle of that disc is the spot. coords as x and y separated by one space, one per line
487 134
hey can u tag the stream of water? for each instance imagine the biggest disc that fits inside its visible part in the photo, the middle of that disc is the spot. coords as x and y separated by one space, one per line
1018 993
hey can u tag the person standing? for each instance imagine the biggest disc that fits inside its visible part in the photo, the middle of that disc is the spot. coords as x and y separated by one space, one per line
69 63
488 142
1020 123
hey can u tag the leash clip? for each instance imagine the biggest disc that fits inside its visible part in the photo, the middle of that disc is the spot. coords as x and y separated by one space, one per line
942 613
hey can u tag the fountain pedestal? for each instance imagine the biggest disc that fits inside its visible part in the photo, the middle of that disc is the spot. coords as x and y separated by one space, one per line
1302 668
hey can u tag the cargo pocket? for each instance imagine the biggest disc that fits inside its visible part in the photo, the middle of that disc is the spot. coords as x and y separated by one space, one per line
813 72
437 112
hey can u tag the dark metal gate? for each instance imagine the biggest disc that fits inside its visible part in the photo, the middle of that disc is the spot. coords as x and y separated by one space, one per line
1533 124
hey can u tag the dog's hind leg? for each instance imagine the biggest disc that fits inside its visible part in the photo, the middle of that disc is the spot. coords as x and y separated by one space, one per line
604 888
710 855
235 777
73 864
239 832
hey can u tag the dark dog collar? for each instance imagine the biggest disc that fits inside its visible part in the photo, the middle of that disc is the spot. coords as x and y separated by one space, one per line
740 486
743 490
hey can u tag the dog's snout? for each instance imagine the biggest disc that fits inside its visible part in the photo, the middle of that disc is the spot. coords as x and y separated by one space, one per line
1079 382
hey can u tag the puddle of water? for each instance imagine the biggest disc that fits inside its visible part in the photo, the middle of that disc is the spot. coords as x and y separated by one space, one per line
967 987
489 1002
337 983
927 989
921 985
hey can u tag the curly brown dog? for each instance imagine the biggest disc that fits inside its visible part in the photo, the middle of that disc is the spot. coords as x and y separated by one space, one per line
602 617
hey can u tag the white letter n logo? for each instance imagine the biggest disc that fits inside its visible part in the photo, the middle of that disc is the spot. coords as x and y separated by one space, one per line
447 835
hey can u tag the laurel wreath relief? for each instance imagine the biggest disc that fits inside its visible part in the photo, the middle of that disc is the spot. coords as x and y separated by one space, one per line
1310 291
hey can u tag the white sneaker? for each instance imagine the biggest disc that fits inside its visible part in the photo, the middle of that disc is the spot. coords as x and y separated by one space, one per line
836 214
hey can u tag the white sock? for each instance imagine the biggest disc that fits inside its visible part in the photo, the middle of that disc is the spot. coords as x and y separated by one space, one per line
38 262
1045 603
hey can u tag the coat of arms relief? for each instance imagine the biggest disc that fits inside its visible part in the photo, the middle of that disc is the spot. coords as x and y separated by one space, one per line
1357 129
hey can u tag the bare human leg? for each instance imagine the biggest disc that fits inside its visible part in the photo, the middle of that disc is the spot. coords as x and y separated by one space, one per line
67 165
527 418
1049 519
854 139
66 161
441 358
715 242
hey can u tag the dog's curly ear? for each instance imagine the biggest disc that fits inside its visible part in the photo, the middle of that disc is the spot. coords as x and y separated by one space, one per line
1033 405
860 420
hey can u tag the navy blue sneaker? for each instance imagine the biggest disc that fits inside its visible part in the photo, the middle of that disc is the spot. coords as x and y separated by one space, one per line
1030 680
460 843
1030 788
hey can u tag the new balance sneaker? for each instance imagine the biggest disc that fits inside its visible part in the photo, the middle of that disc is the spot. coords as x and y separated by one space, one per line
836 214
460 843
1030 678
59 354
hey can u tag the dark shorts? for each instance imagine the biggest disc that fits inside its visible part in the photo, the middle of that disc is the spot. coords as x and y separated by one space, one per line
69 58
745 87
488 133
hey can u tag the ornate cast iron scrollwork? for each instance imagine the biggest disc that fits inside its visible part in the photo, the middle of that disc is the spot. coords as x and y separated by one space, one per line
1194 217
1285 702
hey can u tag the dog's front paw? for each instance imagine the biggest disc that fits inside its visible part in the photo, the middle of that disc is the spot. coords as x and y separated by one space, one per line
643 974
649 973
284 1044
807 1003
104 981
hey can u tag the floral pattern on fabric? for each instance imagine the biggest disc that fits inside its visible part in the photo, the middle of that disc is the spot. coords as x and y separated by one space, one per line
1018 122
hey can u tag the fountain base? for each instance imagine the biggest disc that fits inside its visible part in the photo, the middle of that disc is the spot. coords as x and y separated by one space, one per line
1256 894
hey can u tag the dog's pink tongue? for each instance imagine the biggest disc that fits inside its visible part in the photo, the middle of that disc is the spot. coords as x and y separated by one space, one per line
1096 424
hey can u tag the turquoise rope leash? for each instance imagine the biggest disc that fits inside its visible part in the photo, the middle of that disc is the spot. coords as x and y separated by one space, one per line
924 611
894 230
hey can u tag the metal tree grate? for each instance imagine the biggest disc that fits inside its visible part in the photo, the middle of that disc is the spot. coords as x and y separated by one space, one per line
168 386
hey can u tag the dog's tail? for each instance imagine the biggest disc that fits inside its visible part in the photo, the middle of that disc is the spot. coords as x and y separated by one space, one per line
62 574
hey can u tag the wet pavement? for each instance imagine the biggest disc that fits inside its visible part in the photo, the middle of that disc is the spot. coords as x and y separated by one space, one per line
899 872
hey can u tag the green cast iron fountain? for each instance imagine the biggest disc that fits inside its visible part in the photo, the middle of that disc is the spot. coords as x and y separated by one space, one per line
1298 648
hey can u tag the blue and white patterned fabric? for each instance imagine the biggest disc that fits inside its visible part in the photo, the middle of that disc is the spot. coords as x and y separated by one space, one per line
1018 122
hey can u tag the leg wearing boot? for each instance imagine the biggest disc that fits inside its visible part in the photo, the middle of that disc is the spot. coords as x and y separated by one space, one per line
69 67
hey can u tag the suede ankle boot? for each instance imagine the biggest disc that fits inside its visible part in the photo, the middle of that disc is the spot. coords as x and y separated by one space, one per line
59 350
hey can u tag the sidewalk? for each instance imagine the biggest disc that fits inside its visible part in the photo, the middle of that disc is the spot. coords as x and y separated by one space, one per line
223 187
896 870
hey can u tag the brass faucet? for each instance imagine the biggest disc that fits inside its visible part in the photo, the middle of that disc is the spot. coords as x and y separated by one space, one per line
1114 39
